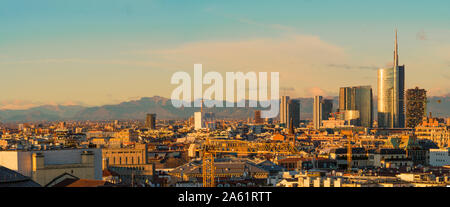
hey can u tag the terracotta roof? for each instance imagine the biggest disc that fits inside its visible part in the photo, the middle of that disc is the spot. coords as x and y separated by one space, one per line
107 173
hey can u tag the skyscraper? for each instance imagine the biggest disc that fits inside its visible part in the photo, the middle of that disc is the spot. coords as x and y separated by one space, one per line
150 121
385 98
327 108
199 121
391 93
317 112
345 100
284 110
357 98
293 115
416 101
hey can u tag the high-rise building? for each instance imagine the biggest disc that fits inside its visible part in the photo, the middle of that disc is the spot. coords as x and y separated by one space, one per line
391 94
385 98
317 112
204 119
357 98
327 108
199 122
258 119
150 121
293 115
345 98
416 101
283 109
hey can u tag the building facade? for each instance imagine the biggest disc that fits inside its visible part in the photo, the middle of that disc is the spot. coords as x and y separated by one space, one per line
327 108
431 129
358 98
416 102
317 112
150 121
293 113
257 118
284 109
439 157
44 166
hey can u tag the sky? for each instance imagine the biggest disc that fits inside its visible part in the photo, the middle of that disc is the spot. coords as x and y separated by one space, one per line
96 52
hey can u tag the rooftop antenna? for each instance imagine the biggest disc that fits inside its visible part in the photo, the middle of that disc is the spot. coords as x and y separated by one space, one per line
201 107
396 50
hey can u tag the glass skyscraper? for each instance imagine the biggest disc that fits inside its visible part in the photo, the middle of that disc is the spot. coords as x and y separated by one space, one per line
284 110
293 113
391 94
317 112
358 98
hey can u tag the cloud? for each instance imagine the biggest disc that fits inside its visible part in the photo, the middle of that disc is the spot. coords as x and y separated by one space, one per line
18 104
268 26
421 35
83 61
287 89
316 91
300 59
287 53
438 91
446 76
358 67
25 104
72 103
248 21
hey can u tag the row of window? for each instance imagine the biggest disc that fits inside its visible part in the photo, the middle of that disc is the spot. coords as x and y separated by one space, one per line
125 160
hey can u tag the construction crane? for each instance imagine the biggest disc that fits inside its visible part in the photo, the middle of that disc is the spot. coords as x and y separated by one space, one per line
349 134
213 146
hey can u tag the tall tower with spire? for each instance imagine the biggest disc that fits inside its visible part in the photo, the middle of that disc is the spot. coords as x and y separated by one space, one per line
399 89
396 50
391 93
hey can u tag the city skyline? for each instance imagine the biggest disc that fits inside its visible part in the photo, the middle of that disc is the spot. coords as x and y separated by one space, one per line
106 53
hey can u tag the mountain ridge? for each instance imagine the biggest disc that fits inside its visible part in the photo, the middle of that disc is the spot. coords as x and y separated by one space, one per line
137 109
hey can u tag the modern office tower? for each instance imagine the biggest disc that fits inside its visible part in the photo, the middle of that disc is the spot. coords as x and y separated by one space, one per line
293 116
327 108
357 98
391 94
345 100
150 122
385 98
283 109
258 119
416 102
317 112
401 101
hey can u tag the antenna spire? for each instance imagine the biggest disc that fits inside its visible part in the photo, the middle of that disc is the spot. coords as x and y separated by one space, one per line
396 50
201 108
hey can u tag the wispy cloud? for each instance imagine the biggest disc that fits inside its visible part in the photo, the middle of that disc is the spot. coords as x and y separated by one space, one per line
81 60
269 26
249 21
358 67
26 104
421 35
317 91
270 54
